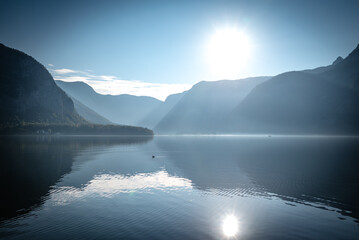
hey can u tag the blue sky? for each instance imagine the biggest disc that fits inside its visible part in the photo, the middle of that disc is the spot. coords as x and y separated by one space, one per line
158 47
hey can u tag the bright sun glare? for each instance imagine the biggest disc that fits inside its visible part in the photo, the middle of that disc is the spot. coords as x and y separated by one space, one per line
230 226
227 53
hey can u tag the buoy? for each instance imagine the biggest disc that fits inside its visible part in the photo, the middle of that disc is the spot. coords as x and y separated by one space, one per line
153 156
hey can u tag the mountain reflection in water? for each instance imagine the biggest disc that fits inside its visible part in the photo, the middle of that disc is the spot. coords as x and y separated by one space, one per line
110 188
30 165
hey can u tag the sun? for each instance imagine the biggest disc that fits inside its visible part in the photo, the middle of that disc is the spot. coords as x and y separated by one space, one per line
227 53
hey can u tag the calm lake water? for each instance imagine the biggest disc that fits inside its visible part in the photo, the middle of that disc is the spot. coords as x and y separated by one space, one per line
238 187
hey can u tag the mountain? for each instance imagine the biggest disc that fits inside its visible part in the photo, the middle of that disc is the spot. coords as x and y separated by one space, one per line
323 100
88 114
204 107
152 119
32 103
338 60
121 109
28 92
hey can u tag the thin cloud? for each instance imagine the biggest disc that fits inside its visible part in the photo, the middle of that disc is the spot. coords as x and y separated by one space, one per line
107 78
72 78
108 84
63 71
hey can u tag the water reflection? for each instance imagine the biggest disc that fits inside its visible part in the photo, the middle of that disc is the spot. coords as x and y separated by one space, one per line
107 188
230 226
321 172
107 185
30 165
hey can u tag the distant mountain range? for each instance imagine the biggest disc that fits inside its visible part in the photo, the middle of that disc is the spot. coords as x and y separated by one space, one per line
320 100
205 107
120 109
199 110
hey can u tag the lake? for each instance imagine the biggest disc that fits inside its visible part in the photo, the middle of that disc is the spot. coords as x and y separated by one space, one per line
195 187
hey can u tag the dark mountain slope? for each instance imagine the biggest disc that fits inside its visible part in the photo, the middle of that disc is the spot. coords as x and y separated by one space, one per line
28 92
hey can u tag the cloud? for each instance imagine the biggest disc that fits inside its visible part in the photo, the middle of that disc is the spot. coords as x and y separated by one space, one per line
63 71
72 78
51 65
138 88
108 84
108 78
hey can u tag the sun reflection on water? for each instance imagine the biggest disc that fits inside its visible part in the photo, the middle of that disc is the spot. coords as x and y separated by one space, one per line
230 226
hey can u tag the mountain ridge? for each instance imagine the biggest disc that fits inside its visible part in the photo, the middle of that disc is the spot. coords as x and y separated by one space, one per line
122 109
205 105
316 102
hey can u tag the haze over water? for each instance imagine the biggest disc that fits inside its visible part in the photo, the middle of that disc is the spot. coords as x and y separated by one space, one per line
111 187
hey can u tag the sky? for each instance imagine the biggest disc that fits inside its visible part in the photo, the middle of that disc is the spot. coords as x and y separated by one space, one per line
157 48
